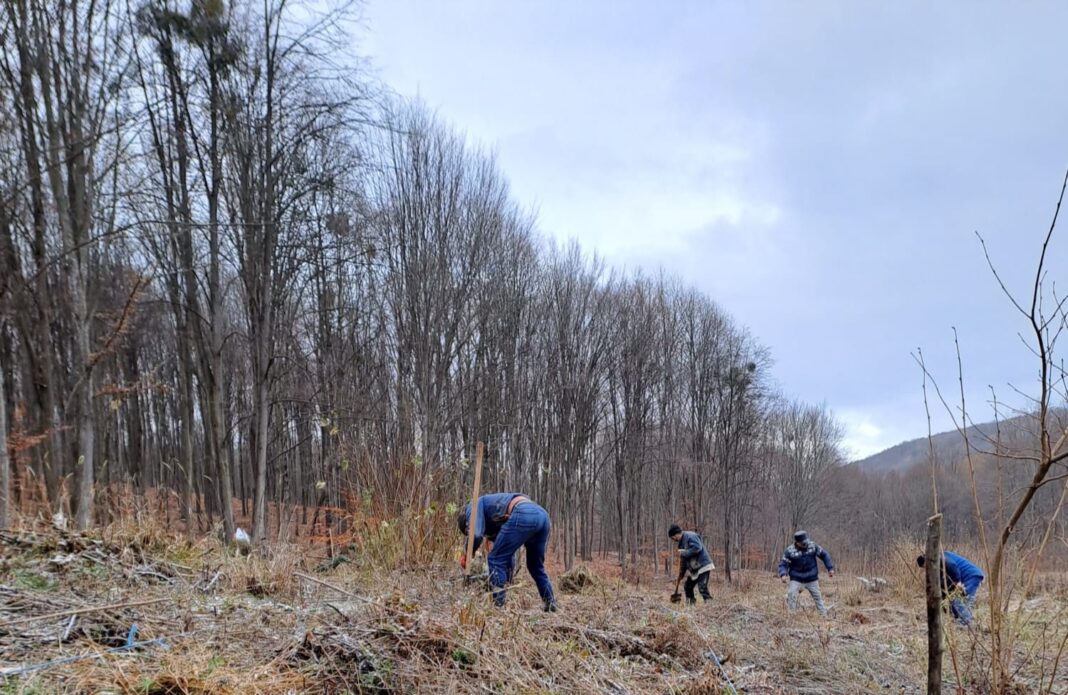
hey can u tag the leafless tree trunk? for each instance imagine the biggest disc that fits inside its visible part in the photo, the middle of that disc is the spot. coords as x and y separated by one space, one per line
7 266
67 65
933 587
5 462
807 440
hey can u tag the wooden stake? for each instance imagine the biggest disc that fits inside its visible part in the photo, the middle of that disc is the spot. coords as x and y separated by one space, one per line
933 564
472 520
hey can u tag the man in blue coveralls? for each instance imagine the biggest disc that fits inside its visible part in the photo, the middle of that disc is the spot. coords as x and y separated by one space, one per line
508 520
959 576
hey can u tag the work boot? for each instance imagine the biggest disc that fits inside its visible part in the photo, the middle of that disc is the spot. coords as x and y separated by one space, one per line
550 606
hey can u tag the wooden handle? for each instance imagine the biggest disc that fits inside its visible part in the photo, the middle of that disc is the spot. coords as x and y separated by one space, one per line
472 520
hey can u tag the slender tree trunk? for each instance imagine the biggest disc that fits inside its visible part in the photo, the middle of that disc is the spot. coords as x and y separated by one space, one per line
86 419
262 414
135 456
185 378
224 486
933 586
263 298
5 462
44 376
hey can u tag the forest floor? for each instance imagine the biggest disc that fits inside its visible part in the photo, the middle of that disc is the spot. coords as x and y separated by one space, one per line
284 623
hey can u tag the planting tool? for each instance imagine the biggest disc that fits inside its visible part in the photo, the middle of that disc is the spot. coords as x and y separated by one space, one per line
472 520
676 596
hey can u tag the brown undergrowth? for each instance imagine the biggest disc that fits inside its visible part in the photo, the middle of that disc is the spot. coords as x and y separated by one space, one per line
280 621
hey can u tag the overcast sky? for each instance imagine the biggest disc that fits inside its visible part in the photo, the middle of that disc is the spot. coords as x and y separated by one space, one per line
819 169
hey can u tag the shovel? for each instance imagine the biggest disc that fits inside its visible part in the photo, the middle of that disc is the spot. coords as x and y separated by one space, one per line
676 597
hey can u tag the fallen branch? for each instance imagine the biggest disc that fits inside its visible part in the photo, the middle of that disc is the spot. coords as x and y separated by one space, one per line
211 585
722 671
130 646
623 644
81 611
338 589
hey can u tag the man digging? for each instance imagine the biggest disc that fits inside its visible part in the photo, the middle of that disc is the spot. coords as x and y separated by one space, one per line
800 567
694 564
962 579
508 521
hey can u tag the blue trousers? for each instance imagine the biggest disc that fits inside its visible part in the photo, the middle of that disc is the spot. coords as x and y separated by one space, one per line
527 527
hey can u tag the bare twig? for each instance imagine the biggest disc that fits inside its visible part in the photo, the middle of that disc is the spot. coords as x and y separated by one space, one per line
338 589
82 611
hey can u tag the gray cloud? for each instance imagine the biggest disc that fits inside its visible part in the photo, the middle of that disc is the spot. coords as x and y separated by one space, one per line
818 168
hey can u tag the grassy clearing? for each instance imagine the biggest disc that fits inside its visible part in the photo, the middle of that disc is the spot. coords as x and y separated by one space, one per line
250 624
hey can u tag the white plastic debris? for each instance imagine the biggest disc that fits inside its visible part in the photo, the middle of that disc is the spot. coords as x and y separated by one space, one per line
61 560
59 521
874 584
241 537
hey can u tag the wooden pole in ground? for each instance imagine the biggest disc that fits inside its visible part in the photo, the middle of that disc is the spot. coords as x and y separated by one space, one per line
472 520
933 585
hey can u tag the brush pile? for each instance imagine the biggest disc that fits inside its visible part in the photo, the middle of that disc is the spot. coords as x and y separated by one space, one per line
575 580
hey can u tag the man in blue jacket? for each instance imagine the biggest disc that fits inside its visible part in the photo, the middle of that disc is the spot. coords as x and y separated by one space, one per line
694 563
959 577
508 520
800 566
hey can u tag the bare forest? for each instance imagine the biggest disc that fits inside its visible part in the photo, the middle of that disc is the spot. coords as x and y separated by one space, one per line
241 275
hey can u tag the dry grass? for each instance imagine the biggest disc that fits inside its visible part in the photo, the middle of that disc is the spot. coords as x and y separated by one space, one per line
236 624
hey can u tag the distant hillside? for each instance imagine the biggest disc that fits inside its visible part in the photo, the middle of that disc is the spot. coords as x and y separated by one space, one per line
948 446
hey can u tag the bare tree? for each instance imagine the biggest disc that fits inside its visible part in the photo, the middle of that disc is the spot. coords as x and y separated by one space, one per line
69 68
739 390
249 285
1046 323
807 441
575 344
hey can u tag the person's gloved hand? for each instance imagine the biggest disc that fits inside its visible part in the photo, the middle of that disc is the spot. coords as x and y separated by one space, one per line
784 578
830 573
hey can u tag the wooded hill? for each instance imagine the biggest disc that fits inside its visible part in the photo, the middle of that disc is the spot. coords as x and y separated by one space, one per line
949 447
889 495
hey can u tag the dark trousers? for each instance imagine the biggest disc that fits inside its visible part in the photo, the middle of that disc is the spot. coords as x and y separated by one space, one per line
702 585
527 527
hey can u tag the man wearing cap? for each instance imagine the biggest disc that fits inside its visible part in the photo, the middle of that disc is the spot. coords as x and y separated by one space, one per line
694 563
800 567
960 581
508 520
